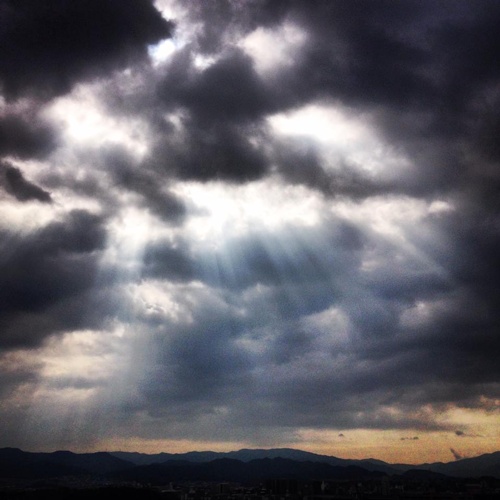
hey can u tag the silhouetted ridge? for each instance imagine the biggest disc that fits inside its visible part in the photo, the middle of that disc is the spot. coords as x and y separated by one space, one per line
15 463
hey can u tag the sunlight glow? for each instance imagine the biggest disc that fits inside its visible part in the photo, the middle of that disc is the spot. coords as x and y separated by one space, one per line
162 51
79 360
389 217
325 124
285 41
160 300
219 210
128 234
83 121
26 217
344 138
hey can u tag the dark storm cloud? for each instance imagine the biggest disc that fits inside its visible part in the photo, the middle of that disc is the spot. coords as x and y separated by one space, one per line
25 136
19 187
224 105
421 80
299 162
219 152
421 68
13 375
152 187
200 362
227 91
49 46
422 77
164 261
390 60
385 59
384 361
222 20
287 345
358 53
221 110
44 269
398 62
464 322
196 367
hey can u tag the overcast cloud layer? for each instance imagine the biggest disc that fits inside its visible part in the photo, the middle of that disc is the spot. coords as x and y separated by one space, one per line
249 222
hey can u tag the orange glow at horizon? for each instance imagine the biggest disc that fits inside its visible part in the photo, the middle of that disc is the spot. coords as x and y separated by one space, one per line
402 446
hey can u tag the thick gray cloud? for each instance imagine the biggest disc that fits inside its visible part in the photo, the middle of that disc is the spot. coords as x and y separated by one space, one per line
150 185
20 188
224 105
51 46
45 270
25 136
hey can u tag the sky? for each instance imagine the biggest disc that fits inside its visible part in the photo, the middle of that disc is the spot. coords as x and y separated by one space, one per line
250 224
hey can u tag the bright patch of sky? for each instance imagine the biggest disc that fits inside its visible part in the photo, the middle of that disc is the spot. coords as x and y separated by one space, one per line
218 210
162 51
273 49
84 122
25 219
341 136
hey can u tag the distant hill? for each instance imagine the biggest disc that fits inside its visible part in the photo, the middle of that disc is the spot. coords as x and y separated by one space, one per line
484 465
15 463
238 466
246 455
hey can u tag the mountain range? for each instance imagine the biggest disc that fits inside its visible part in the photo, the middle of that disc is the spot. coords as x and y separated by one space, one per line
483 465
245 466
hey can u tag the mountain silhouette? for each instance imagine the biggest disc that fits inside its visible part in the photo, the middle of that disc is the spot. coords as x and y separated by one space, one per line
15 463
245 466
